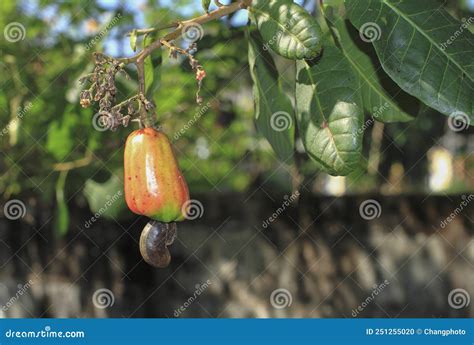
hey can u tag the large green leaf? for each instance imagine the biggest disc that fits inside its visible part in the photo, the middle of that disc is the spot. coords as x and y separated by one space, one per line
329 111
423 49
274 114
287 28
382 98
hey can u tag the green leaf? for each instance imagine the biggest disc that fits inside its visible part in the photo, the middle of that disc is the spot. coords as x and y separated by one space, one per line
329 111
274 114
382 97
106 199
133 40
287 28
61 221
205 5
152 65
414 42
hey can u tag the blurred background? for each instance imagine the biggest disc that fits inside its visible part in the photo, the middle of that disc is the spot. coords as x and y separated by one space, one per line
393 239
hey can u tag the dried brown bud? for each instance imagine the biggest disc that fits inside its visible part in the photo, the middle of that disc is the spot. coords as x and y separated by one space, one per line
85 102
125 120
104 103
148 104
99 94
85 99
130 109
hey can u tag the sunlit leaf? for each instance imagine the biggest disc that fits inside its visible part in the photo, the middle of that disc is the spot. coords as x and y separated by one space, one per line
133 40
329 111
287 28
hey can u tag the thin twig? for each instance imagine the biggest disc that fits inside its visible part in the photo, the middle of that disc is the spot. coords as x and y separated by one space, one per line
128 100
140 32
79 163
216 14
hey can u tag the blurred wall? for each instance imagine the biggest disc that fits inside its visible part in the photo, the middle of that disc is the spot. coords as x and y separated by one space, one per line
328 258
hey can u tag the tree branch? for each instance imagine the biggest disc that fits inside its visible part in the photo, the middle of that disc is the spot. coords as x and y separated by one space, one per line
140 32
103 87
218 13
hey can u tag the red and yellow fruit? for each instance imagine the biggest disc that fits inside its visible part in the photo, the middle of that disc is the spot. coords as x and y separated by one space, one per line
154 185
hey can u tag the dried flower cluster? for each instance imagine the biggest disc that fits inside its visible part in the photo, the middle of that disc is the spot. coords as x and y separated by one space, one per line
104 90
